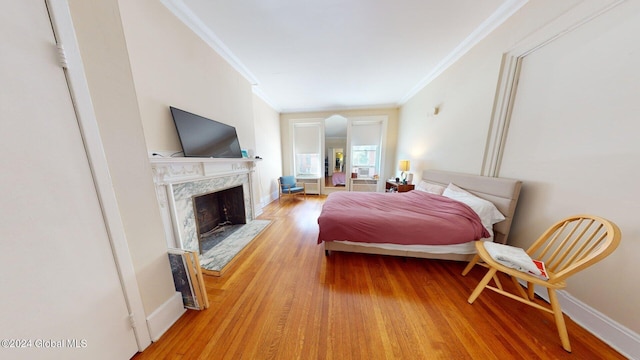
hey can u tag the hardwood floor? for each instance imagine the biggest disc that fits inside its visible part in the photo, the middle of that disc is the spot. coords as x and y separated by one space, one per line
284 299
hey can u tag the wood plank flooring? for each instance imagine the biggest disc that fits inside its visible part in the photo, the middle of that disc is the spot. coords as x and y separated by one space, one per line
284 299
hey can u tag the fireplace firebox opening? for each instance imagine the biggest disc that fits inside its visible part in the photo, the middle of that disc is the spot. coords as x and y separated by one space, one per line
218 215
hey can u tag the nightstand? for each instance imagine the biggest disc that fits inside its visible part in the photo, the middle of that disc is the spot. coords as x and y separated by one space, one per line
392 186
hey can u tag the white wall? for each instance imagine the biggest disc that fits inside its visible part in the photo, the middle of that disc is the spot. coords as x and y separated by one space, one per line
392 131
140 59
172 66
455 138
267 128
572 138
102 46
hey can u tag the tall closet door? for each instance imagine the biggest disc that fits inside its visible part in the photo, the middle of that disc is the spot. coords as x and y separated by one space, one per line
61 294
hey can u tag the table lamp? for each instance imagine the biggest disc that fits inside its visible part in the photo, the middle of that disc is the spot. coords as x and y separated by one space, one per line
405 165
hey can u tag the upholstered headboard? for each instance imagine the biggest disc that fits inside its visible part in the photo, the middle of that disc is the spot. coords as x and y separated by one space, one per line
503 193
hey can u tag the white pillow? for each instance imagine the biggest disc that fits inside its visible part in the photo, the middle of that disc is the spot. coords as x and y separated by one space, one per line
430 187
454 187
485 209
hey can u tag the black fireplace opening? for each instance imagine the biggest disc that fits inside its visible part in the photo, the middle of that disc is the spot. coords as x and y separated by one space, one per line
218 215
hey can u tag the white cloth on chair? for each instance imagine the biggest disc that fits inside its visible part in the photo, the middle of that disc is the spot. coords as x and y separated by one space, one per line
513 257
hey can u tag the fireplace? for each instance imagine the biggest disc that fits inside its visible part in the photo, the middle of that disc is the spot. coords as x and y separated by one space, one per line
180 180
218 215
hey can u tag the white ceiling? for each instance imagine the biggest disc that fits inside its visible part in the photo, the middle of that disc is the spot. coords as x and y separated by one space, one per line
306 55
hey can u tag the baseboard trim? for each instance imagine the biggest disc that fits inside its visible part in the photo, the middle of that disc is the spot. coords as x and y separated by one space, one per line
166 315
622 339
267 199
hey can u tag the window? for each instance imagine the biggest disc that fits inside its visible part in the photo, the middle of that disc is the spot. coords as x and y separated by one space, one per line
365 155
308 164
366 139
307 149
365 158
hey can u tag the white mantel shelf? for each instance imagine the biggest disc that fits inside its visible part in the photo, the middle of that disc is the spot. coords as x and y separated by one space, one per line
177 169
167 159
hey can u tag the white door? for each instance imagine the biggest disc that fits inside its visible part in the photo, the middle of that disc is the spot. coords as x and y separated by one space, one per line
60 292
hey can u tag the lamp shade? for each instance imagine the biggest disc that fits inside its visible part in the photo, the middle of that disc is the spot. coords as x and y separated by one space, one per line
405 165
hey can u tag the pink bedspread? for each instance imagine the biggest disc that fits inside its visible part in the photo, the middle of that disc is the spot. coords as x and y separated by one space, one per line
408 218
338 178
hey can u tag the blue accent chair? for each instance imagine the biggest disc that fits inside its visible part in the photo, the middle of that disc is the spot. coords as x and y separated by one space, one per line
288 186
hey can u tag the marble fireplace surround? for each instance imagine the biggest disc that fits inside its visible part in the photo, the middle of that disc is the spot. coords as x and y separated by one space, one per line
178 180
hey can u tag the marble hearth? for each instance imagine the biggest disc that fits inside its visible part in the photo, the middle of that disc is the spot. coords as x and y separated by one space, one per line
178 180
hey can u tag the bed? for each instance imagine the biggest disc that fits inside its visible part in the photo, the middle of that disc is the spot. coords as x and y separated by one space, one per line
346 215
338 179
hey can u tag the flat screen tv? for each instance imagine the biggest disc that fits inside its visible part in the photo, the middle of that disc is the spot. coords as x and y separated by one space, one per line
202 137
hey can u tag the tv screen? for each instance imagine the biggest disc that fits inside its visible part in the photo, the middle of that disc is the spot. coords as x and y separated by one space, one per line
202 137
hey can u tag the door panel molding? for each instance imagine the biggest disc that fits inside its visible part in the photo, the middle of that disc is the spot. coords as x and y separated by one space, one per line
581 14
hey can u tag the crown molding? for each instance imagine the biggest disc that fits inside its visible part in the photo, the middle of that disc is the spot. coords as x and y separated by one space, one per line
491 23
259 93
340 108
193 22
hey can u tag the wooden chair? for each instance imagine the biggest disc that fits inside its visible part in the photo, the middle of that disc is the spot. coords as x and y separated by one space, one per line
288 186
567 247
